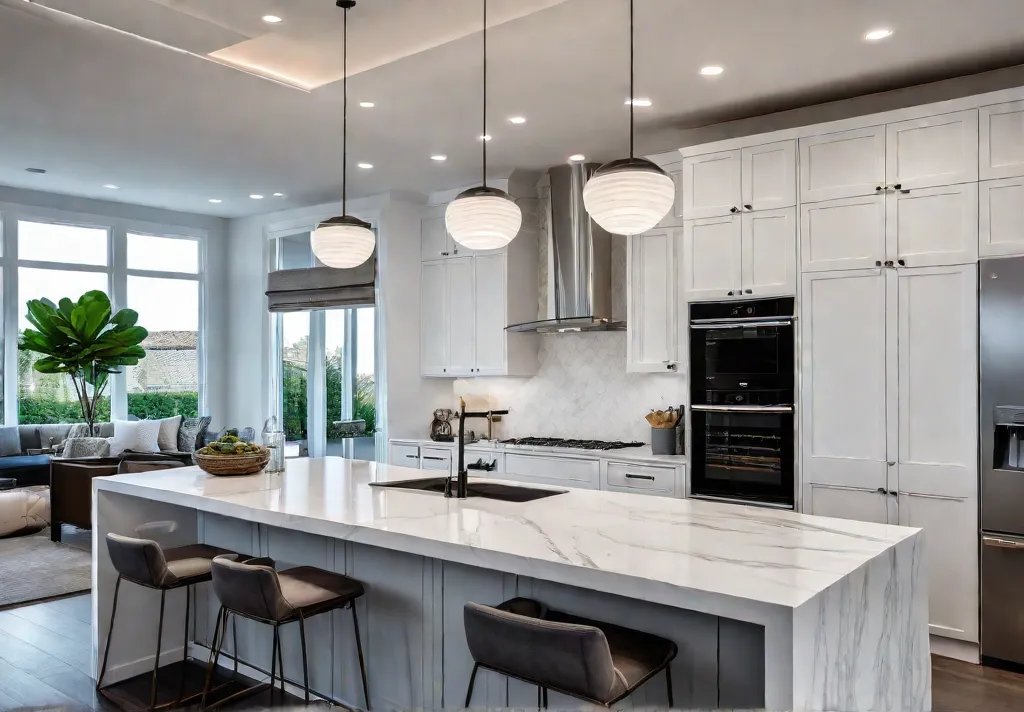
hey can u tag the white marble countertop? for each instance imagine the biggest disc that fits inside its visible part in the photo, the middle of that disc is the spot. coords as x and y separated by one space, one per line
677 552
626 454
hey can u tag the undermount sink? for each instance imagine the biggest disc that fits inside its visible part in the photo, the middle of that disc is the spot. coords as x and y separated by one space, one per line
488 490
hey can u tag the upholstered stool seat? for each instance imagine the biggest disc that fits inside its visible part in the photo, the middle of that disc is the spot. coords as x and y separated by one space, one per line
590 660
252 588
144 563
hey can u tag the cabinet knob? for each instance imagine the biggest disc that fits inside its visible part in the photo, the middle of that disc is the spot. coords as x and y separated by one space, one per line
734 209
729 293
897 186
882 490
901 263
670 366
878 263
888 263
749 207
749 291
890 464
879 188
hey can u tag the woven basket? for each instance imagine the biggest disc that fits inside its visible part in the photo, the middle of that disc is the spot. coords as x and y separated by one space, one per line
227 465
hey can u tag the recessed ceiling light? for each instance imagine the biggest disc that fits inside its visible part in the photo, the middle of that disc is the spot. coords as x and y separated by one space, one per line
272 19
278 195
111 186
367 104
216 200
711 71
639 102
577 157
880 34
485 137
256 196
365 165
517 120
439 157
36 170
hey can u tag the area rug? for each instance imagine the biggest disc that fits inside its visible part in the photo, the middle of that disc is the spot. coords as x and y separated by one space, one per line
33 568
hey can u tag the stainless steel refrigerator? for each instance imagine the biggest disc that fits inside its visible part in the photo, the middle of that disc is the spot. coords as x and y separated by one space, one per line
1001 351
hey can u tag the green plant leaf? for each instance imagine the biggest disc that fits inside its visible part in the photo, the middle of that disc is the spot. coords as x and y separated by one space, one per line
49 365
65 306
125 318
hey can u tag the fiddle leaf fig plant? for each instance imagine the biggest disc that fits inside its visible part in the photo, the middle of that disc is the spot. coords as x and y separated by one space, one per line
82 339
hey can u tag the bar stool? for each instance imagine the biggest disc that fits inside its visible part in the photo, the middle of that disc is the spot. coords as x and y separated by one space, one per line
253 589
144 563
592 661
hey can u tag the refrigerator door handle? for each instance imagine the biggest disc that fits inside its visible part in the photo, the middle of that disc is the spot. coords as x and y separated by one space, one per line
1002 542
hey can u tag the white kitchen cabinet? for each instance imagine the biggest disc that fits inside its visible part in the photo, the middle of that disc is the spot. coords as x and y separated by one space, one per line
564 471
712 258
1001 221
433 320
933 151
844 389
436 459
862 505
404 455
846 164
1001 143
846 233
712 185
460 290
640 479
932 226
768 253
950 558
769 176
650 296
490 311
435 241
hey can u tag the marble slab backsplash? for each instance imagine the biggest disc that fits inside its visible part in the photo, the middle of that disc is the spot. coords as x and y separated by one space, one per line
582 390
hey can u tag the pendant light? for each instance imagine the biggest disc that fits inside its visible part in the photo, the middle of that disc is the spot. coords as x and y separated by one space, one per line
343 242
631 195
483 218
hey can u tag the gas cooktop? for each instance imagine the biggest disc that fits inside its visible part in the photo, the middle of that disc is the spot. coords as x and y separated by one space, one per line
576 444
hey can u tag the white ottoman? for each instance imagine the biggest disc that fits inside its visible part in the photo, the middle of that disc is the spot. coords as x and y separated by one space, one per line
24 510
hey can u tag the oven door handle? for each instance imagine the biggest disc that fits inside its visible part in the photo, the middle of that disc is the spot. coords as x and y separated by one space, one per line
745 324
1002 542
743 408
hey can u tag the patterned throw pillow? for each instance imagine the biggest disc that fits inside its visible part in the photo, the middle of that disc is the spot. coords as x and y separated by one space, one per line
86 447
191 432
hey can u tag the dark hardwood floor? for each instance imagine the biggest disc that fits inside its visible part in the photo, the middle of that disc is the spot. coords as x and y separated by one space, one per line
44 662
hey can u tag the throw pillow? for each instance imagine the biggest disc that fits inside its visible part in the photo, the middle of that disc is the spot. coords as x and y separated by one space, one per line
135 435
10 441
191 433
80 430
53 435
86 447
167 439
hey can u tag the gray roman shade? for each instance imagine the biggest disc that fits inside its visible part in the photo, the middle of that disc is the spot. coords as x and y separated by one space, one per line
322 287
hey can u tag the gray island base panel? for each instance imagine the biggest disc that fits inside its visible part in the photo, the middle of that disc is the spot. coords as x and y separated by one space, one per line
769 608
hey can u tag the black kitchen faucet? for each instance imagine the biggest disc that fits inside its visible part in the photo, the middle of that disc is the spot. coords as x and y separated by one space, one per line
462 474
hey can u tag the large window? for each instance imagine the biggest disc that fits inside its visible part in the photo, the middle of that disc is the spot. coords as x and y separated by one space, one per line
157 275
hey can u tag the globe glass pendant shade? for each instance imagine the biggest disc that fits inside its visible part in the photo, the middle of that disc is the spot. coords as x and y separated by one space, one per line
629 196
343 242
483 219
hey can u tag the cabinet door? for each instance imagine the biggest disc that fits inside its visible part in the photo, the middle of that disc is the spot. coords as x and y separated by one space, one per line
938 381
848 233
712 264
769 176
1001 223
849 503
769 252
933 226
843 393
461 316
1001 141
489 271
651 303
842 165
938 150
711 185
433 320
405 455
951 559
434 241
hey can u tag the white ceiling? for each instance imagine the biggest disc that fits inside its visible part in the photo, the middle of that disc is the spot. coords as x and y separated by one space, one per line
173 129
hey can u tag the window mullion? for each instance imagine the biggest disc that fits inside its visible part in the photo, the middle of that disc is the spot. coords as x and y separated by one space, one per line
119 299
9 235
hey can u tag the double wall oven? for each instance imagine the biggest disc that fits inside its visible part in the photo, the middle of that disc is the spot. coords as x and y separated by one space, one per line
742 401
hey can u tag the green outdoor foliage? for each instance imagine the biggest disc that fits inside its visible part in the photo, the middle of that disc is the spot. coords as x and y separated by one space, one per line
82 340
295 398
149 406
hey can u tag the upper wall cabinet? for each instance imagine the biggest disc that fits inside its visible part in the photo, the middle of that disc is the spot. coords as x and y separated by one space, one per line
650 294
847 164
1001 225
745 180
938 150
932 226
435 242
1001 141
712 260
846 233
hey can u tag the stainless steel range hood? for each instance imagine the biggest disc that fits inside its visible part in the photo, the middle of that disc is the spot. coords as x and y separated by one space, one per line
580 260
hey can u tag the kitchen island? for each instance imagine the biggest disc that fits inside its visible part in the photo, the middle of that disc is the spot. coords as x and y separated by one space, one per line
769 608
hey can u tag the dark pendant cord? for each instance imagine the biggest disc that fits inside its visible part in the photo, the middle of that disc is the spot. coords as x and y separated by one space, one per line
344 113
632 96
483 135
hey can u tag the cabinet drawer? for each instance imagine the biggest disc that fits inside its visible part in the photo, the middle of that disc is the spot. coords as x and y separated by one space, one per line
433 458
489 457
640 477
405 455
571 472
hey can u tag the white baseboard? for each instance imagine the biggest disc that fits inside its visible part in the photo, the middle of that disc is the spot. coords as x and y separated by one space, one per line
956 649
125 671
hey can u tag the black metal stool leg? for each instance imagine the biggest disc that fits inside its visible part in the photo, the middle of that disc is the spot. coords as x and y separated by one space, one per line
545 691
668 684
156 662
273 663
234 641
472 679
110 633
184 649
359 649
305 668
218 638
280 658
540 689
